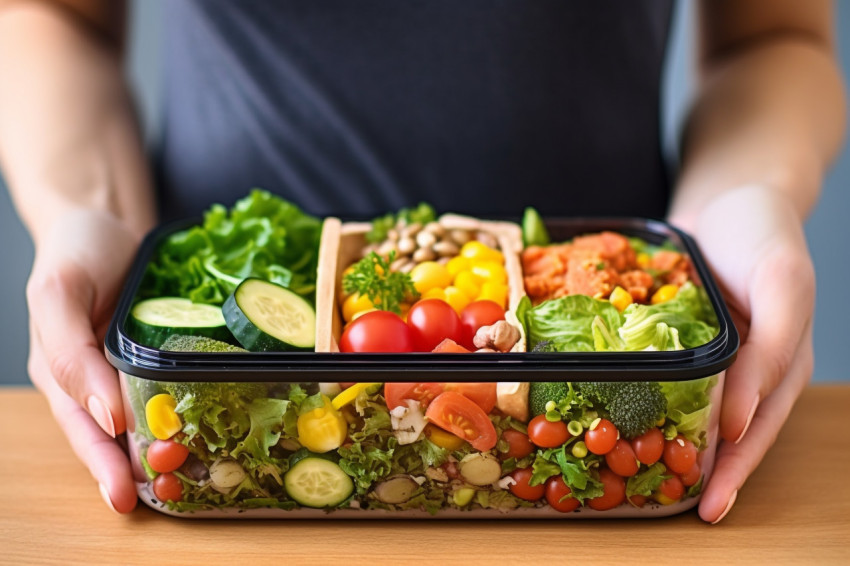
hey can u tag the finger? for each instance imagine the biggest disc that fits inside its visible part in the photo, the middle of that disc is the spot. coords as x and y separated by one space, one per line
102 455
782 300
735 462
61 308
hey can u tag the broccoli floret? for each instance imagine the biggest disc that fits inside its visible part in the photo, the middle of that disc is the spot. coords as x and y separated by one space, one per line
637 407
209 393
600 392
182 343
542 392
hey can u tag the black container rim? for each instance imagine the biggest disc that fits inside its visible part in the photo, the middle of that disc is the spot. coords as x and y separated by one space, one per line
711 358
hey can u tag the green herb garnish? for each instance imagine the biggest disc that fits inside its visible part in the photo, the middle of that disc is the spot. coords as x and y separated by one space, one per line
372 277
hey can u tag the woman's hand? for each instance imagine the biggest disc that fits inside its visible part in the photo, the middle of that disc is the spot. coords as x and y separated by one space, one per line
753 240
77 276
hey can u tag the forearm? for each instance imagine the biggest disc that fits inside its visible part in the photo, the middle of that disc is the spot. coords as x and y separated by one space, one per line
68 133
771 115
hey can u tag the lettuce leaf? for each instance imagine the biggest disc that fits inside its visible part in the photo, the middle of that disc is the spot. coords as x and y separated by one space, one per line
687 313
261 236
566 323
647 481
689 406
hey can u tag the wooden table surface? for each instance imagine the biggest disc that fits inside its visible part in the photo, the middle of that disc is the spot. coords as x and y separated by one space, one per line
795 509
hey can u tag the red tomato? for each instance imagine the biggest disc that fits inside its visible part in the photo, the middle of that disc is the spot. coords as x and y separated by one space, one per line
482 394
672 488
557 495
477 314
621 459
455 413
602 438
376 331
519 446
430 321
449 346
166 455
638 500
521 488
613 491
547 434
168 487
680 454
649 446
397 393
691 477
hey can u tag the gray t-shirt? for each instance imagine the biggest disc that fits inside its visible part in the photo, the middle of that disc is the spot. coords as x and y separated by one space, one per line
355 108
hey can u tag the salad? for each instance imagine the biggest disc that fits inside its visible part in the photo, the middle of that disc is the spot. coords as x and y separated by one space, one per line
245 281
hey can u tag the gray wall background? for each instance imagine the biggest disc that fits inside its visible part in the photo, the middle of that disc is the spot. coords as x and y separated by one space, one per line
828 229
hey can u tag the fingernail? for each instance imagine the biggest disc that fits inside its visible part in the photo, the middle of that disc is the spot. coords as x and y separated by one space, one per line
105 494
100 413
749 418
728 507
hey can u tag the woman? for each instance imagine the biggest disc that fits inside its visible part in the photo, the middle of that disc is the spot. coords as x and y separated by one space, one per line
474 107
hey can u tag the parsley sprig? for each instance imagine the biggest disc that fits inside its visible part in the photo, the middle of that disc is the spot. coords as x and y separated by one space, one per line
371 277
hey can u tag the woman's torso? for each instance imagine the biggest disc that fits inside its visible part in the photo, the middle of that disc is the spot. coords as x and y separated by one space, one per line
357 108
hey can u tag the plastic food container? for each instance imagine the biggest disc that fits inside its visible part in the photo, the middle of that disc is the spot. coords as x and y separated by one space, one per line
249 454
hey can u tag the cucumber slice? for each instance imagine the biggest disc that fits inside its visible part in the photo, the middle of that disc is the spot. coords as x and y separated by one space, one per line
316 482
265 317
152 321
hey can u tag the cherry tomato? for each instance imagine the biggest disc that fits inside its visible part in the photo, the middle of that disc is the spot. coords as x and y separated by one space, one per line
168 487
482 394
430 321
672 489
601 439
477 314
638 500
166 455
519 446
547 434
521 488
376 331
613 491
621 459
557 495
691 477
455 413
397 393
680 454
649 446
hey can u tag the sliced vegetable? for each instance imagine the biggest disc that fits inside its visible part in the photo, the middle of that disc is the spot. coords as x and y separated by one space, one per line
396 490
457 414
396 393
265 317
350 394
480 468
317 482
152 321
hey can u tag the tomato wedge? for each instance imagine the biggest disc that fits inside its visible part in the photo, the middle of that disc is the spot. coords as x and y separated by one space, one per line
482 394
455 413
397 393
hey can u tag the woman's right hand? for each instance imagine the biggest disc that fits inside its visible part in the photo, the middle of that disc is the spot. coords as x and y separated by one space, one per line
76 279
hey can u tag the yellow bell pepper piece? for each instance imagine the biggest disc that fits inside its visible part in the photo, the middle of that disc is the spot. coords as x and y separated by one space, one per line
493 291
620 298
443 438
349 395
322 429
163 420
643 260
664 294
